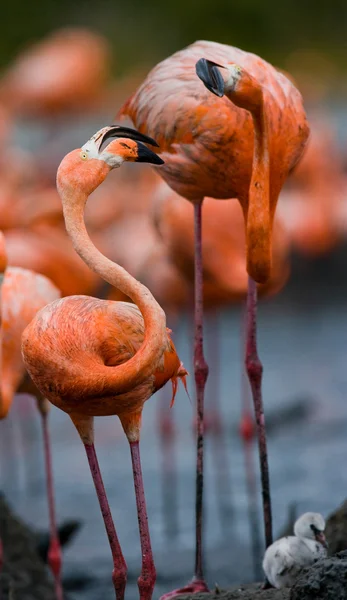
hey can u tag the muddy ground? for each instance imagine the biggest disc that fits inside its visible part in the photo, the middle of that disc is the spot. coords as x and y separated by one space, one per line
25 576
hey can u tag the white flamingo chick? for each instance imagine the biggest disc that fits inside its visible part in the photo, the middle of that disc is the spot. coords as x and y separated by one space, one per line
285 558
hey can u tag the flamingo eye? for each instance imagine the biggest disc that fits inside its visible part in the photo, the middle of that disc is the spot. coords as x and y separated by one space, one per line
84 155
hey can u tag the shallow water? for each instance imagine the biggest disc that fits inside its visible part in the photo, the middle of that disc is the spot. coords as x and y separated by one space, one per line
303 346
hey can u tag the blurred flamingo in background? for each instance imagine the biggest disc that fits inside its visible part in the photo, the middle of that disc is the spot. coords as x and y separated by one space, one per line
109 357
63 73
223 246
311 205
216 148
47 250
23 293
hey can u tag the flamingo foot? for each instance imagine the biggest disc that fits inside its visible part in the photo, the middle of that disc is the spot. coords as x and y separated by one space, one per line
54 561
195 587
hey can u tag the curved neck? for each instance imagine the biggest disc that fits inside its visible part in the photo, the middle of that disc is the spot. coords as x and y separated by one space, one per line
142 365
258 218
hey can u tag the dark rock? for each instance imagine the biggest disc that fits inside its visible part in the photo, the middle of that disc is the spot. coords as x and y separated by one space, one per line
325 580
336 529
24 576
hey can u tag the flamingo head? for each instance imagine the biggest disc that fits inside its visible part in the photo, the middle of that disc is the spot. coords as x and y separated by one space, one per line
311 525
86 168
232 81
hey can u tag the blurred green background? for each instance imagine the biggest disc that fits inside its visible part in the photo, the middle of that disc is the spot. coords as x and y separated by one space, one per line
144 31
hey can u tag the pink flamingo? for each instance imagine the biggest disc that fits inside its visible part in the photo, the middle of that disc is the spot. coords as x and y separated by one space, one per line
242 146
94 357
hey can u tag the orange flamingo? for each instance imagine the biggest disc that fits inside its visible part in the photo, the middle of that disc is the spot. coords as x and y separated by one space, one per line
42 79
23 293
47 250
223 246
240 149
311 203
93 357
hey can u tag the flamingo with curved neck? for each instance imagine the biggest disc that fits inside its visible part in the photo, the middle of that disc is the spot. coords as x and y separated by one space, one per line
94 357
208 148
258 204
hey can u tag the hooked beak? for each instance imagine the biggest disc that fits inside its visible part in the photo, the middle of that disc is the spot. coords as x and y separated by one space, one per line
118 131
210 75
146 155
320 537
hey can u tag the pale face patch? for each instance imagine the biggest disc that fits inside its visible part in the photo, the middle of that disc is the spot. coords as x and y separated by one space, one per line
91 150
234 74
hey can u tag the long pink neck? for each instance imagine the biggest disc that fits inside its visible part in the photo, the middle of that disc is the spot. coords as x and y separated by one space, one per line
259 220
124 377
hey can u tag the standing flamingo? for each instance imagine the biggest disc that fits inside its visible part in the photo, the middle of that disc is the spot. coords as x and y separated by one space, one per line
213 147
23 293
93 357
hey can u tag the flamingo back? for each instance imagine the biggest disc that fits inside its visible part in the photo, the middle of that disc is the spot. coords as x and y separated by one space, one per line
23 293
207 142
72 347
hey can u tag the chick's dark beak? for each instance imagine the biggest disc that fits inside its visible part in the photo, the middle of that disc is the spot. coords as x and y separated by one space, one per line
320 537
144 154
210 75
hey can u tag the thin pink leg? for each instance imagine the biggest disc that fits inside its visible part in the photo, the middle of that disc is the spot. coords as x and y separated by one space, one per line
201 372
248 435
54 551
119 573
146 581
255 370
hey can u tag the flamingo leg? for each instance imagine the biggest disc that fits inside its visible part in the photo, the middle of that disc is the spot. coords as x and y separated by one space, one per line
146 581
200 372
254 370
247 432
54 550
119 574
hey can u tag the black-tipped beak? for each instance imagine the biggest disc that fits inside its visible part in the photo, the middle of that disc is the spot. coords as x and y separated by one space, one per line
146 155
209 74
117 131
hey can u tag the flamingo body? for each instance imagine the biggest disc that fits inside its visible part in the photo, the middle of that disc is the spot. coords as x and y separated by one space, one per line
23 293
94 335
208 145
